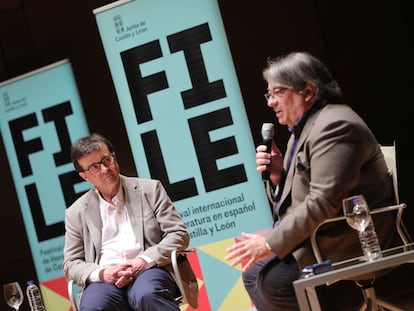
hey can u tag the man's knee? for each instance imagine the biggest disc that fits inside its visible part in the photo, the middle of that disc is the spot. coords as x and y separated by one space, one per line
102 304
249 279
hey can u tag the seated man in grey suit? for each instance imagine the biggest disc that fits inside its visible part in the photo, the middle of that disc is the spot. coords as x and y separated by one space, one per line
120 235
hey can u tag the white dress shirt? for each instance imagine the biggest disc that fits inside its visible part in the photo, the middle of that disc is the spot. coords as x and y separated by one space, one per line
118 240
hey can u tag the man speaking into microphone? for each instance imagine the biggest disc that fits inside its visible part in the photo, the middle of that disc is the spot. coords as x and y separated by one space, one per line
331 154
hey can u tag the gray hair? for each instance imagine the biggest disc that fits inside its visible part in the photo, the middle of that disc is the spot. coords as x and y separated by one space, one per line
298 68
86 145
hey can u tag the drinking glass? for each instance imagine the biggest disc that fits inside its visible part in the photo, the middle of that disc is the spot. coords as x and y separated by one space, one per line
358 217
13 295
356 212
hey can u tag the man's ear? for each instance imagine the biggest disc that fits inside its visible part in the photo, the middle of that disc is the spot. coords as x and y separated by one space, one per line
309 91
83 175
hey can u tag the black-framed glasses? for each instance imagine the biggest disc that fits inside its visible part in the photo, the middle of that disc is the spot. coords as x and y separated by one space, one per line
277 93
106 161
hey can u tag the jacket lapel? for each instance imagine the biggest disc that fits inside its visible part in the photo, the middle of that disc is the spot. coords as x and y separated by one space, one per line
94 221
287 188
133 193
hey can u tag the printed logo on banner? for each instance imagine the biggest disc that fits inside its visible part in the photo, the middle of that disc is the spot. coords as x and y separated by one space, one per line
119 25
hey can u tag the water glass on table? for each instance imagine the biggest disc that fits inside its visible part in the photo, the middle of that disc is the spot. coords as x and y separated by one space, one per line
358 217
13 295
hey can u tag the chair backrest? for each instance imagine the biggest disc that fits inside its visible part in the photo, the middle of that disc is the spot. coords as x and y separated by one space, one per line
390 155
185 277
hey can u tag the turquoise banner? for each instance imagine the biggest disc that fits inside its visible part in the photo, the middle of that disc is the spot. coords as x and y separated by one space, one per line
40 115
187 126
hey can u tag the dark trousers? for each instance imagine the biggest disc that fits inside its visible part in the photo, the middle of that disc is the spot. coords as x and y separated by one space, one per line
152 290
270 284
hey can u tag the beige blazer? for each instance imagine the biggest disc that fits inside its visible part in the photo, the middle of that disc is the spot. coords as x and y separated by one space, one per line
157 226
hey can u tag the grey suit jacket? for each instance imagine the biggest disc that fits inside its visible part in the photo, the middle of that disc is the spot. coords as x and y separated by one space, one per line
336 156
157 226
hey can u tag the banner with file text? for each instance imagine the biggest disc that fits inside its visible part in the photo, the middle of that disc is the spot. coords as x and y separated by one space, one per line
40 115
187 126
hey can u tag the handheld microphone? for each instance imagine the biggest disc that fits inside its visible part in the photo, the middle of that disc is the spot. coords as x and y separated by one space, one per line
267 135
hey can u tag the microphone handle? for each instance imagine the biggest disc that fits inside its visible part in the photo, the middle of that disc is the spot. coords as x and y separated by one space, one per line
266 173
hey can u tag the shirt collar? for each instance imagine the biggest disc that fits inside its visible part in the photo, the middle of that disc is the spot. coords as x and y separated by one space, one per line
298 126
117 201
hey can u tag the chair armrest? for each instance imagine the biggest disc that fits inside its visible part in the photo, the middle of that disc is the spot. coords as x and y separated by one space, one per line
398 222
72 295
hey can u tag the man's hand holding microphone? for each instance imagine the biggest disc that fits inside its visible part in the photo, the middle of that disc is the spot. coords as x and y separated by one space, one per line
269 159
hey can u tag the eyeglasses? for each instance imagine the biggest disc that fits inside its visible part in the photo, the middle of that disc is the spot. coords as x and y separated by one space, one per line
277 93
106 161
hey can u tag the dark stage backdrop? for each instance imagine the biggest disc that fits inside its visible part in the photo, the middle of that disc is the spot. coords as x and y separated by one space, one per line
368 45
